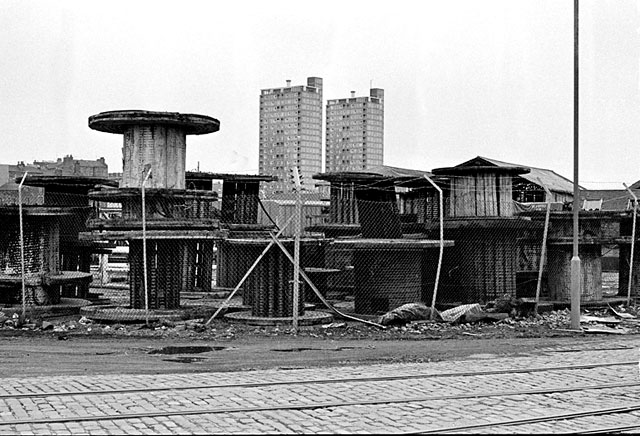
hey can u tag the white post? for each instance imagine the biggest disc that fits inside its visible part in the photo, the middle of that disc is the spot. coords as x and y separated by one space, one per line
144 249
435 287
633 242
544 247
24 293
296 248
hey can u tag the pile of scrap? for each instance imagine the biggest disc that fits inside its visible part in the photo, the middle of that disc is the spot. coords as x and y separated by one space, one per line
609 321
517 313
497 310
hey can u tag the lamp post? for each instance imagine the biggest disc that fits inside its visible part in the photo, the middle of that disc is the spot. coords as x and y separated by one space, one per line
575 260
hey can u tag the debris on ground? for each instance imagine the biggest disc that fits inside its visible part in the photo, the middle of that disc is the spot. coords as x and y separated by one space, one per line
410 321
84 320
514 307
599 319
405 314
456 313
486 316
621 314
602 322
334 325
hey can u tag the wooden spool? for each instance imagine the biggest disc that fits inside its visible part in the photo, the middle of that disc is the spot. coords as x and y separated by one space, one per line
153 140
268 290
386 279
43 275
559 271
165 273
389 272
483 263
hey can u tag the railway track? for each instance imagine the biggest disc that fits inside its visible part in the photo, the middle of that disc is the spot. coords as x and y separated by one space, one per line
520 425
583 392
313 381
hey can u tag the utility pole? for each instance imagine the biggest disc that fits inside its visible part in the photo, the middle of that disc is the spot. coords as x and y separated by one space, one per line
575 260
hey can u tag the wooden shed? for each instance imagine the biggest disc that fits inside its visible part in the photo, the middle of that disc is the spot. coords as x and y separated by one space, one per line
483 263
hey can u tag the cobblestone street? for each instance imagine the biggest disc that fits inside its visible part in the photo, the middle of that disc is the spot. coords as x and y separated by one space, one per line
478 389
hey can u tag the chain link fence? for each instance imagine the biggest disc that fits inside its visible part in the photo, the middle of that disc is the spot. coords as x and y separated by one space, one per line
367 249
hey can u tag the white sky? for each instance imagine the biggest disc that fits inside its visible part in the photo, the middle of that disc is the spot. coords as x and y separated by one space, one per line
461 78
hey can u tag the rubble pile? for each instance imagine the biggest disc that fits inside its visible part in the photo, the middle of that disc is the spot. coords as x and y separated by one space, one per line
503 318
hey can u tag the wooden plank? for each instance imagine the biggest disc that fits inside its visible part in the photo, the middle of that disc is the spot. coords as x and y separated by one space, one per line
208 259
175 279
465 196
454 198
53 246
506 196
591 260
501 270
481 193
152 272
190 265
133 272
228 207
491 194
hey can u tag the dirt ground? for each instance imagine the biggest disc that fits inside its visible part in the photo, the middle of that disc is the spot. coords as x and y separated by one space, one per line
75 346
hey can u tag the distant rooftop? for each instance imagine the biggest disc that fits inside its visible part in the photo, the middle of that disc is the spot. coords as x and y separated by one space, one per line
377 173
543 177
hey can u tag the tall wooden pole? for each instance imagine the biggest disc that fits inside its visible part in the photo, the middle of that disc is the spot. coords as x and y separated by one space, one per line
24 293
575 260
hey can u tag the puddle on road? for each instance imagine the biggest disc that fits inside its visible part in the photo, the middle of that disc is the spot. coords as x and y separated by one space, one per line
185 350
299 349
185 359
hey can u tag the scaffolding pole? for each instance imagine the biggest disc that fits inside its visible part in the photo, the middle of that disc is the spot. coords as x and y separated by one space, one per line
633 243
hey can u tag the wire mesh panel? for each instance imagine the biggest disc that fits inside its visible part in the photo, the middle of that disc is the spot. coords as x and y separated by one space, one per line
485 261
385 254
387 275
233 261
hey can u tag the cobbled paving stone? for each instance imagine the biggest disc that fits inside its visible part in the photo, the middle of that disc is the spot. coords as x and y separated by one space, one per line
431 409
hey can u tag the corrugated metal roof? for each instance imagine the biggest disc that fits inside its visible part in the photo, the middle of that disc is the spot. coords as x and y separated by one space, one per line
396 172
612 199
378 172
636 185
553 181
202 175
